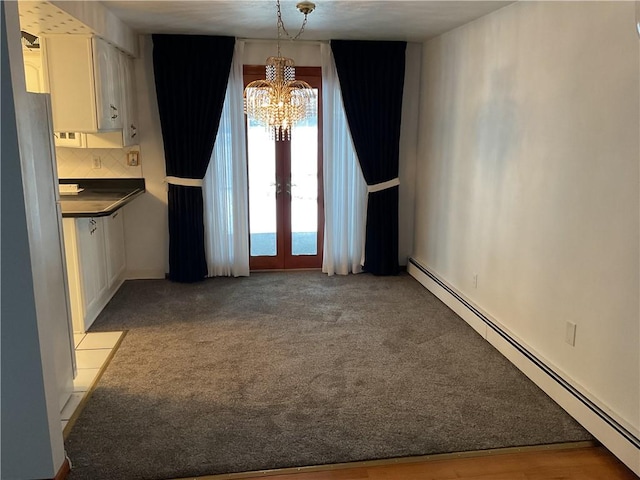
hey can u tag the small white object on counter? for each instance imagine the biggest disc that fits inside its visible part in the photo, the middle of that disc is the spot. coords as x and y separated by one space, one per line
70 189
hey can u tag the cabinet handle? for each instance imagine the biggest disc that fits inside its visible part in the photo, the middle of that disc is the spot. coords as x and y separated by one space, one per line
115 215
115 115
134 129
113 107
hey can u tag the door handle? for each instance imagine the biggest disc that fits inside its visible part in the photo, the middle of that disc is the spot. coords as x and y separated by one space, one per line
278 186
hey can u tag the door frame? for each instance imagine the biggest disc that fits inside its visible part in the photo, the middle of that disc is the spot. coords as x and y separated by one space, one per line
284 260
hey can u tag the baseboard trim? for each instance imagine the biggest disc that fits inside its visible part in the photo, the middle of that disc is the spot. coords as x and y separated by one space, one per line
622 442
145 275
63 471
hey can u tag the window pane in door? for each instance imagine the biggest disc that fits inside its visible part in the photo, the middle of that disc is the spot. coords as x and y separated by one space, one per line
262 191
304 187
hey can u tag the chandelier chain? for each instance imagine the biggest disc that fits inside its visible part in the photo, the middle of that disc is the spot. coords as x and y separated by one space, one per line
281 25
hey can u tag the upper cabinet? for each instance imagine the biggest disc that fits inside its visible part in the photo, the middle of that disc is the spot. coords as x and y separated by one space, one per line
34 71
92 87
129 104
107 76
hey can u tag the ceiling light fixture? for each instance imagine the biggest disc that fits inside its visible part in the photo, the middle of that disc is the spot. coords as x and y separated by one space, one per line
280 101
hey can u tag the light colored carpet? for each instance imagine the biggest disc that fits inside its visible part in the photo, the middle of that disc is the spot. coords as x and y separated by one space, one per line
291 369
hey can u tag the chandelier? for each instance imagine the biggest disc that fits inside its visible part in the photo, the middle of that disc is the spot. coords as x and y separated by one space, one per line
280 101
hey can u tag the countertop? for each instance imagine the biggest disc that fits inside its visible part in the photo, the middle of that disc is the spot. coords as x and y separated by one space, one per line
99 196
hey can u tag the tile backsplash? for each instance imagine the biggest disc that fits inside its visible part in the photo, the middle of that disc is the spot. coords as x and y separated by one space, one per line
78 163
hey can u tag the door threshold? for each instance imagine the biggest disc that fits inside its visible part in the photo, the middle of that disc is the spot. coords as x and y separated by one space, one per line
267 270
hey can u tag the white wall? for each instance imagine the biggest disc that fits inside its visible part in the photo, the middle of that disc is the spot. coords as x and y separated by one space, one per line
528 176
408 150
78 163
32 445
146 226
304 54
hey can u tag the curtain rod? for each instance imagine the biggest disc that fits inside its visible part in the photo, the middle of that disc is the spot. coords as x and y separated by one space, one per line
283 42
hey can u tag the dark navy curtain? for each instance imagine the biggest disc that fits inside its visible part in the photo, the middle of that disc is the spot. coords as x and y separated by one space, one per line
371 76
191 74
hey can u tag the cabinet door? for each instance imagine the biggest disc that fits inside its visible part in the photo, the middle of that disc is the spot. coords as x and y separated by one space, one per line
70 73
114 237
107 77
33 72
71 230
92 263
129 106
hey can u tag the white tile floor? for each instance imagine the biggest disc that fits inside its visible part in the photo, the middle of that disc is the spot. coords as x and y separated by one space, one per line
84 379
93 341
71 405
92 358
92 352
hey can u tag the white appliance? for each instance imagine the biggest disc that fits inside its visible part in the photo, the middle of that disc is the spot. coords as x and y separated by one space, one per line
47 245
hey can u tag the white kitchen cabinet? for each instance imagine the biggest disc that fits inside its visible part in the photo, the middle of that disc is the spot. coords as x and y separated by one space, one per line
114 240
91 251
84 79
129 104
106 68
34 71
44 225
96 264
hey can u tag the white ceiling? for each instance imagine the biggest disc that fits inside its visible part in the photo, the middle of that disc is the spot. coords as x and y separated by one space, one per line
43 18
333 19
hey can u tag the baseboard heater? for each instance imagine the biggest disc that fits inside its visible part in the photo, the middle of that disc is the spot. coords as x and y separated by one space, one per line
604 416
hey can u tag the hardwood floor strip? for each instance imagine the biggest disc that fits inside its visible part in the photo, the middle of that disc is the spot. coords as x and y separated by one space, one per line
64 470
571 461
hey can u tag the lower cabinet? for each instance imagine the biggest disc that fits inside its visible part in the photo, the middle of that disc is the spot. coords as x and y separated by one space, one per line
93 269
114 240
96 264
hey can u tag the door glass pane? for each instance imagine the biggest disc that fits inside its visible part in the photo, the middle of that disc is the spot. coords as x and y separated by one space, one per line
262 191
304 187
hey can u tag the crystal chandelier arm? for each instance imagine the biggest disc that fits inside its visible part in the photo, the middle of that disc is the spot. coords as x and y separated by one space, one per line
258 84
299 84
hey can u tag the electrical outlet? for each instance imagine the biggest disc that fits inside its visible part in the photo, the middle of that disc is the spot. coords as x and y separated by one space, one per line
570 334
133 159
97 162
475 280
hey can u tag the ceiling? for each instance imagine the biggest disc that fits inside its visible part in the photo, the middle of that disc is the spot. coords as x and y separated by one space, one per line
44 18
333 19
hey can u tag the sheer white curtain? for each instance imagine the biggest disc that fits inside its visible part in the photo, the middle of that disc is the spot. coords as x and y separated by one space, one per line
224 187
345 190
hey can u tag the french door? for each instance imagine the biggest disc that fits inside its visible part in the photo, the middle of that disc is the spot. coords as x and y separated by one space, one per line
286 212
